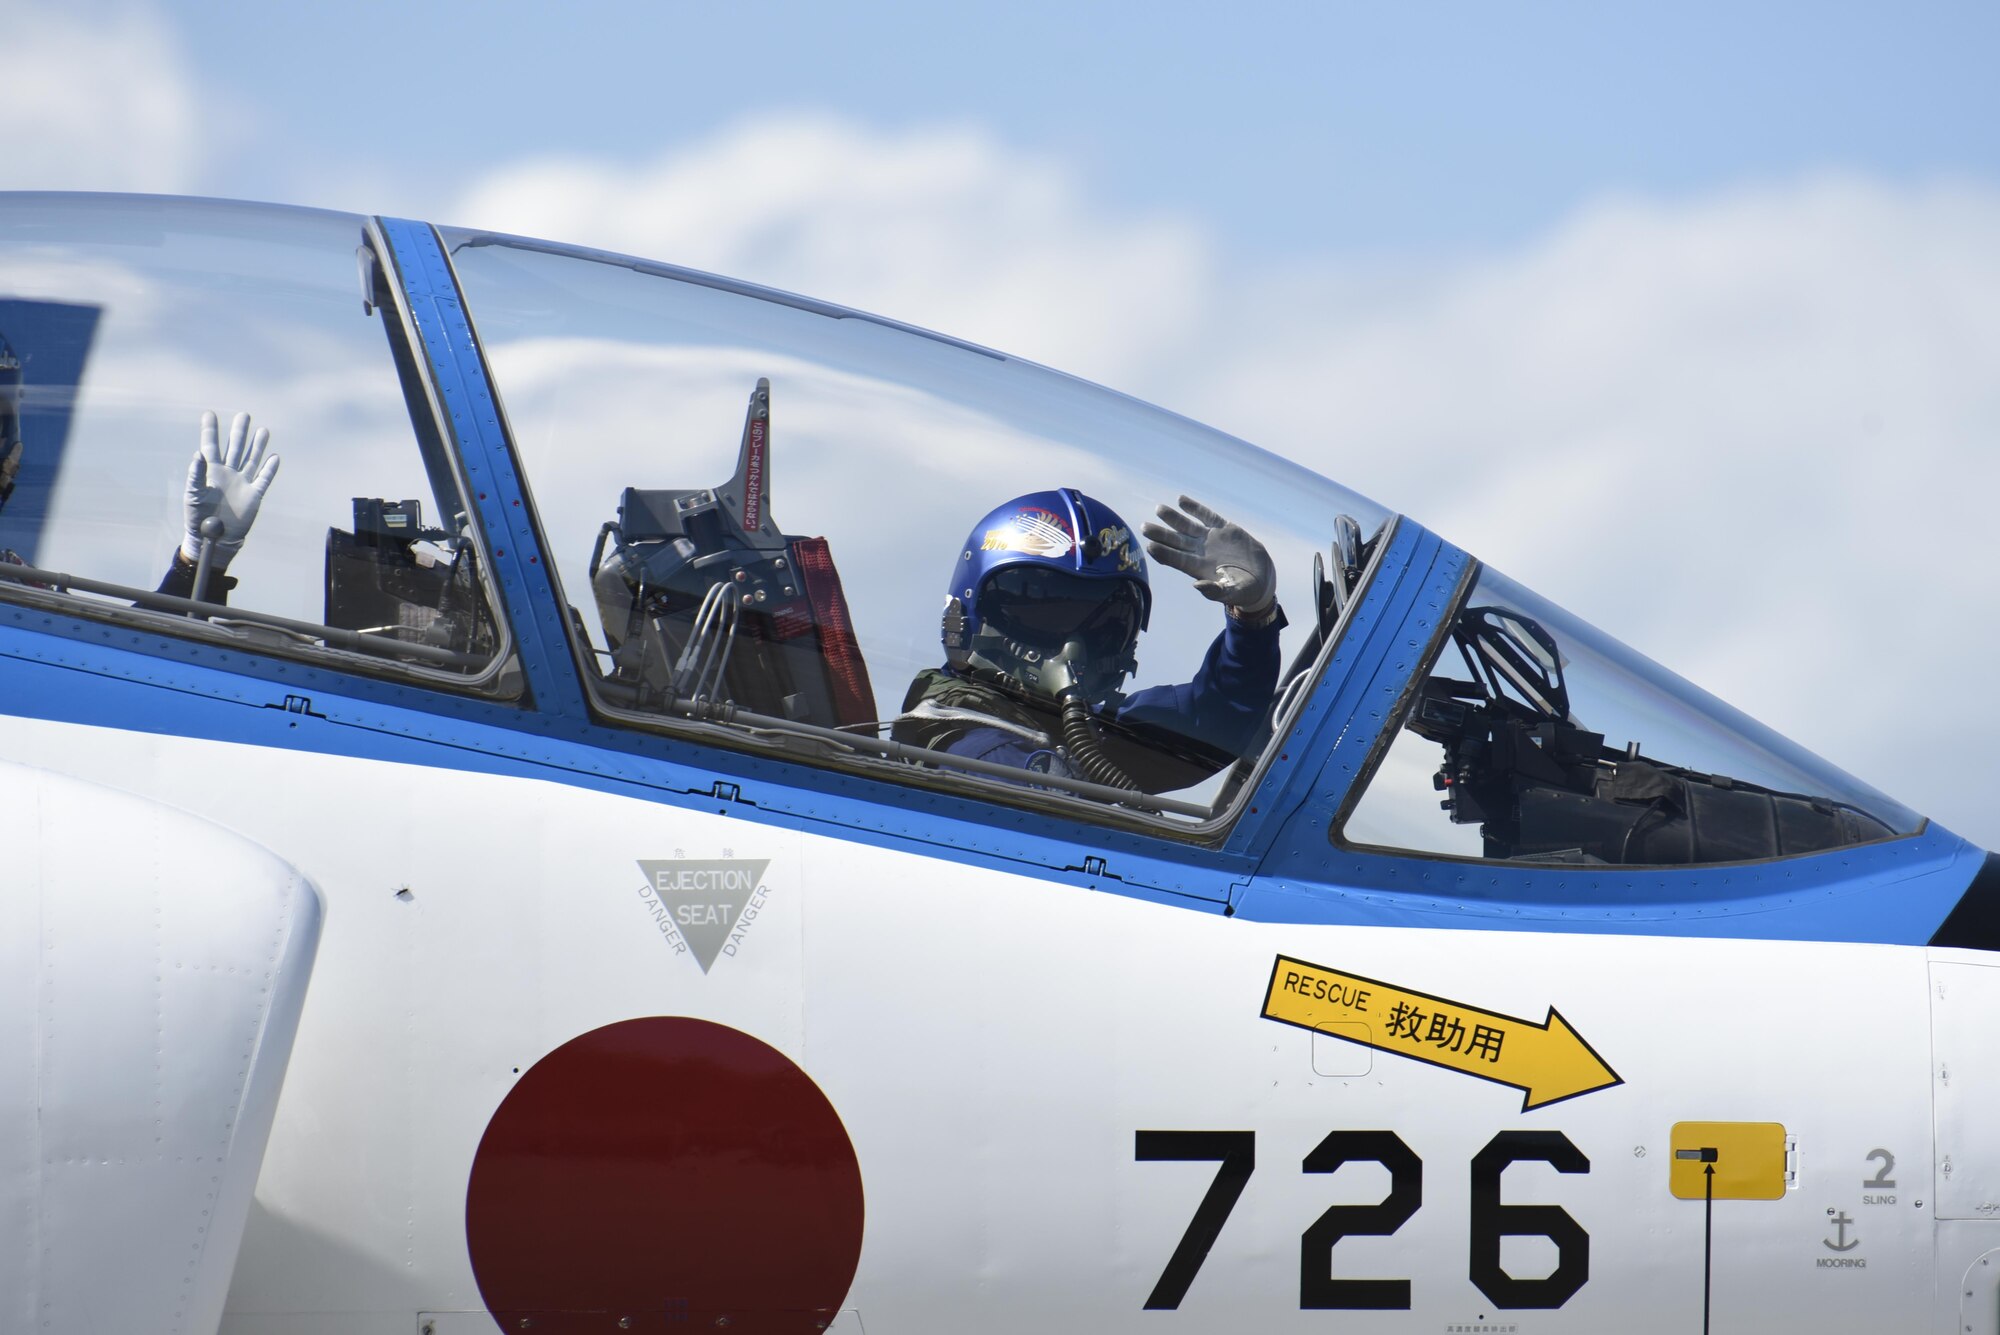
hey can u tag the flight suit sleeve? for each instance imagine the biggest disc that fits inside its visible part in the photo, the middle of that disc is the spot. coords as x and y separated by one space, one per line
179 582
1226 702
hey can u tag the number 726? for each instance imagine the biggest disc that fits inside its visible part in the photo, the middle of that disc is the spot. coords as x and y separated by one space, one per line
1236 1153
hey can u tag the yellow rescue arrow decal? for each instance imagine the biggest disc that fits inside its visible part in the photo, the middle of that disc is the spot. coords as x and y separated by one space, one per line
1547 1062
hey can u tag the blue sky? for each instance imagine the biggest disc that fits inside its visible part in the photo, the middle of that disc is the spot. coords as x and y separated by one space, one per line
1286 127
1687 316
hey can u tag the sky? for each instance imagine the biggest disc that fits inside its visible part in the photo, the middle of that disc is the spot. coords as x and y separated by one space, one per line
1687 316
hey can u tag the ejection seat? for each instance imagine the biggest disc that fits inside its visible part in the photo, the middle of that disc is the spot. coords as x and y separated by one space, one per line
705 603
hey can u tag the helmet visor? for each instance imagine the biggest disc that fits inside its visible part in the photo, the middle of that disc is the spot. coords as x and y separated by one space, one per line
1048 608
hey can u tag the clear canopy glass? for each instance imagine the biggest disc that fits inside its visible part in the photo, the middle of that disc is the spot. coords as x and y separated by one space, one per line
129 318
1536 737
890 443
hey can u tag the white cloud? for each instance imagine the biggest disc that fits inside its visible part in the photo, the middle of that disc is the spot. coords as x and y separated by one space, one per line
944 228
96 101
1751 434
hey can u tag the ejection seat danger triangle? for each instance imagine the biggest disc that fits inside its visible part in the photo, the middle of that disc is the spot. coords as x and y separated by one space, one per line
1547 1061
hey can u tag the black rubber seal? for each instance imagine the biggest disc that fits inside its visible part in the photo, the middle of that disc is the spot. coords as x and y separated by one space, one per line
1974 922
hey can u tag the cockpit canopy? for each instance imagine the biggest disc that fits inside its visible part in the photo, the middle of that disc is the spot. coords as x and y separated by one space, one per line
753 508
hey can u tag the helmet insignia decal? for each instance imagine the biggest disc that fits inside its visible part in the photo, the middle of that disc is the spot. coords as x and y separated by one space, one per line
1035 532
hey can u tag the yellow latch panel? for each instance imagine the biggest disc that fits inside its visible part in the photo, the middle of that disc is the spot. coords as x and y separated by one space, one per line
1748 1158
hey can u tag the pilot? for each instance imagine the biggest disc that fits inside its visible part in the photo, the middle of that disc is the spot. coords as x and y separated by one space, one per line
1041 623
225 489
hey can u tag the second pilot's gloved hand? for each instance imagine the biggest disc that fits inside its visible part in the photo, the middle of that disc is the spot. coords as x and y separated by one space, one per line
1227 564
227 486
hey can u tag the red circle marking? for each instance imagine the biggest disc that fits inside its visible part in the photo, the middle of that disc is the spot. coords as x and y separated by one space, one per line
670 1172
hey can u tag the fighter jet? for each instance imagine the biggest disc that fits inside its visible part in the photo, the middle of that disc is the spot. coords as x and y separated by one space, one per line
548 791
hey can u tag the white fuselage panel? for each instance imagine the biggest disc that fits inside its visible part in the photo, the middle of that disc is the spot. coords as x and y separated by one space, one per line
993 1043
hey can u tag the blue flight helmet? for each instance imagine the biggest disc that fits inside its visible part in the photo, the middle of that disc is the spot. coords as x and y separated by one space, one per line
1047 598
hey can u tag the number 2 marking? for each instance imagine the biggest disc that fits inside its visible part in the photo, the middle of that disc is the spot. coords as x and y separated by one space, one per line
1318 1289
1881 1178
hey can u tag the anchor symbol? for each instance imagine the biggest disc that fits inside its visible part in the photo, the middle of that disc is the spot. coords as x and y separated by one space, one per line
1840 1223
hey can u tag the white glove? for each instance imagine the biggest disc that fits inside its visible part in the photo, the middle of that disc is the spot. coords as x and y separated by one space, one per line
227 487
1227 564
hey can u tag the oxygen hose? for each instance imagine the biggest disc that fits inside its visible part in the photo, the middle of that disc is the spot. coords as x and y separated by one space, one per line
1081 745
